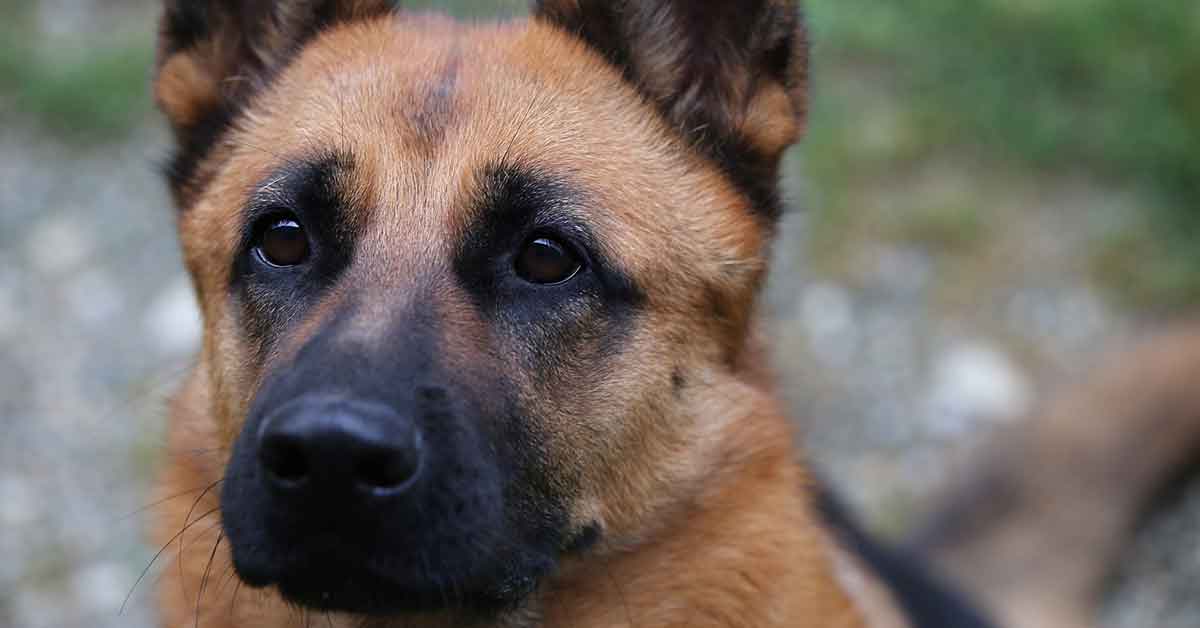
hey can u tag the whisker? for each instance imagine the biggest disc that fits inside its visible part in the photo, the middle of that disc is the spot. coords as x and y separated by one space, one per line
233 600
230 576
204 578
159 503
620 594
244 144
158 554
199 498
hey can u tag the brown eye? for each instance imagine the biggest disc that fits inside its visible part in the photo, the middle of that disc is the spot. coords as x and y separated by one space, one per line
545 261
283 243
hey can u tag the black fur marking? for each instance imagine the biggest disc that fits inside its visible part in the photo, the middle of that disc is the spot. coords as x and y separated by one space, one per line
472 521
515 205
758 180
433 116
193 144
602 29
327 14
311 190
678 381
185 24
583 541
921 595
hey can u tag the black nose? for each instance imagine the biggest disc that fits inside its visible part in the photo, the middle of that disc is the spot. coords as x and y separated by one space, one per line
337 447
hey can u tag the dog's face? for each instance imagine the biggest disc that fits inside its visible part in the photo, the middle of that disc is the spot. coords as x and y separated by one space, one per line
474 297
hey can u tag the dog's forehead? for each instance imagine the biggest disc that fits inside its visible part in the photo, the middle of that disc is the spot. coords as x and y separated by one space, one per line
422 106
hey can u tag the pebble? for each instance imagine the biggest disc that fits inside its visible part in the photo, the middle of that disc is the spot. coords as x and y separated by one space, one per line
17 504
975 383
827 314
102 586
173 319
58 244
93 298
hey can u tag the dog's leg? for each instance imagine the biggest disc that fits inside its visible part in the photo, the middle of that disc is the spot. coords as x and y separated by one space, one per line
1037 527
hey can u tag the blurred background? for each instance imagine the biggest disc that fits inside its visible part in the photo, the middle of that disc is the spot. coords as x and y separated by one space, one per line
991 194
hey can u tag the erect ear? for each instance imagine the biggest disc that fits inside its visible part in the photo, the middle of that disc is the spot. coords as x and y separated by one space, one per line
731 75
213 54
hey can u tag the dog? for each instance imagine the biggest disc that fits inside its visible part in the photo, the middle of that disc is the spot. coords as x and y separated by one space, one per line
481 326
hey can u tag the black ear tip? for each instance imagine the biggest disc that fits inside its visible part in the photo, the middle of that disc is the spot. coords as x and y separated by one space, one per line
786 49
184 25
256 38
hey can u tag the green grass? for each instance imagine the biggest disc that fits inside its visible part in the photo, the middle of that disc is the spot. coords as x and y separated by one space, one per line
943 226
94 93
98 98
99 91
1106 87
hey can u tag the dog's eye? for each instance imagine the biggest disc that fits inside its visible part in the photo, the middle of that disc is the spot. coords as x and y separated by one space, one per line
282 242
546 261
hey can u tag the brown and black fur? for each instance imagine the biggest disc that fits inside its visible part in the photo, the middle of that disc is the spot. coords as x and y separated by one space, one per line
603 452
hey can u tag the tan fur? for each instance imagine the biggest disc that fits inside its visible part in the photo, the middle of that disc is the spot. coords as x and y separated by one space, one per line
706 519
185 88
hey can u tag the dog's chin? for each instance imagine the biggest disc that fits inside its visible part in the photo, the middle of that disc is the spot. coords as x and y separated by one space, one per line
366 595
329 585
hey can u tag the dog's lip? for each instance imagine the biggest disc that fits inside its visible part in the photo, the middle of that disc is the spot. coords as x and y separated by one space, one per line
361 592
327 583
264 570
323 583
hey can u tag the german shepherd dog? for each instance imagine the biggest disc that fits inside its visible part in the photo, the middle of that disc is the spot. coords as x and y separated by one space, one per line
481 324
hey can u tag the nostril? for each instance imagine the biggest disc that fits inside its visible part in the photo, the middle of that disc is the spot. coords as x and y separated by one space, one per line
338 449
386 470
285 460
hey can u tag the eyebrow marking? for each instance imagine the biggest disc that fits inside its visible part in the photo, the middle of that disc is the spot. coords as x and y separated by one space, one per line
436 106
315 189
514 202
270 186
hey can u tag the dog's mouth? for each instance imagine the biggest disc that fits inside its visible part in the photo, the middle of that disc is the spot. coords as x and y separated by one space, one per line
315 586
324 583
334 577
338 577
376 564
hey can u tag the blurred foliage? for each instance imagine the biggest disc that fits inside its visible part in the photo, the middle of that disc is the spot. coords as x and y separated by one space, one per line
96 89
1108 87
90 92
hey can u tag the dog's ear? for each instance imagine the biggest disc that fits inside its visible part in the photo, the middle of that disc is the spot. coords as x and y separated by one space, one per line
731 75
213 54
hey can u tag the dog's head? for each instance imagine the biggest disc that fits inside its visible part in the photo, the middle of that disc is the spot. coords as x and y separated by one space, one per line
475 297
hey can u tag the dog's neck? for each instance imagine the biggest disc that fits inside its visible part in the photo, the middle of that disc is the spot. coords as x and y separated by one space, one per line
747 552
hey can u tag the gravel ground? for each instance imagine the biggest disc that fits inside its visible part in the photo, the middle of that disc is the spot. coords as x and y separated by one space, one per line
1156 585
907 356
96 321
